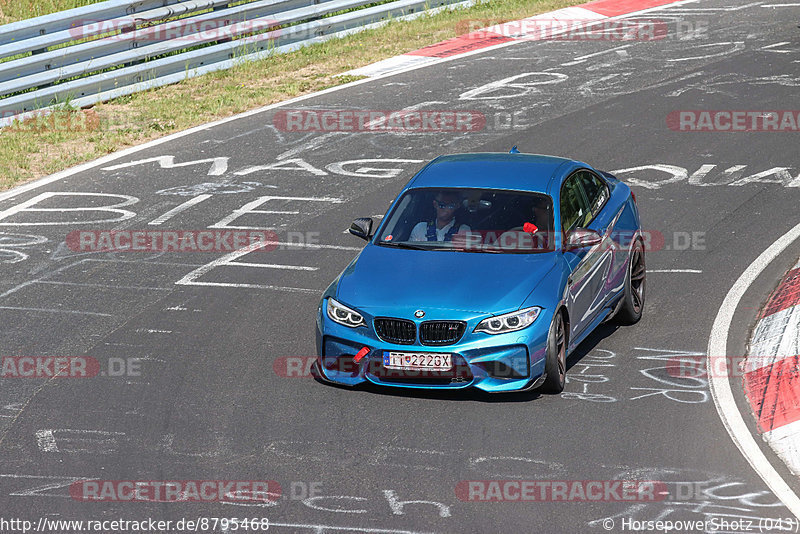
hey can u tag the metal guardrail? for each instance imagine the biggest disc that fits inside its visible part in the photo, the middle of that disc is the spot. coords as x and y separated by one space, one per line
95 53
64 20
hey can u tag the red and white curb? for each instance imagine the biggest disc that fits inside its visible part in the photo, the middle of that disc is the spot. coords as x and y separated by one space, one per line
505 34
772 371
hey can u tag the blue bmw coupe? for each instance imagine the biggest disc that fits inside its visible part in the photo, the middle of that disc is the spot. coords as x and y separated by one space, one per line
486 272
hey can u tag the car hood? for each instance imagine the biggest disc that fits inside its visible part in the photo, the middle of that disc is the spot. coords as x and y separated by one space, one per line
384 278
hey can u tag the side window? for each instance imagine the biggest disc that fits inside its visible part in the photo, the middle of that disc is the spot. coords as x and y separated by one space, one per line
596 192
574 211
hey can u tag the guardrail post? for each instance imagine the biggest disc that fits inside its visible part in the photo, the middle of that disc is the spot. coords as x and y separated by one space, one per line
40 50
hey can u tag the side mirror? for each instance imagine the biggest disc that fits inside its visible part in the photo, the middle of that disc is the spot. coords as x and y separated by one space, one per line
362 228
582 238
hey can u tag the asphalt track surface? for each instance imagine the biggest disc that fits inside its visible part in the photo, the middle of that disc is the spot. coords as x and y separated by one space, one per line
208 404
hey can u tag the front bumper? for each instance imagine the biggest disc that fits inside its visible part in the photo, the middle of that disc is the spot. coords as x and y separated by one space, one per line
493 363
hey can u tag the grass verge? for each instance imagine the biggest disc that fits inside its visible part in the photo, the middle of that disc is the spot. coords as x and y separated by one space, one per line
14 10
44 147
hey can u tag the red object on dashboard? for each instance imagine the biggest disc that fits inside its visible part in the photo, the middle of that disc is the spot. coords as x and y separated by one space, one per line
530 228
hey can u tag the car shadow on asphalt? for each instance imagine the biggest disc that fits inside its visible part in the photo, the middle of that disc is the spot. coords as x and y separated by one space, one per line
462 395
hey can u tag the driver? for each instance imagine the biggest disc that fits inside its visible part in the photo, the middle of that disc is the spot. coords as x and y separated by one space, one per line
444 226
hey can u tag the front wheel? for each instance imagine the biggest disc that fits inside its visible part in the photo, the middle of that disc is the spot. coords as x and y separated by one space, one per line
633 294
555 364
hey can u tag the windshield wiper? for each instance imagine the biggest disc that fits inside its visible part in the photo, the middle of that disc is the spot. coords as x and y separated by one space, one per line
488 250
405 244
400 244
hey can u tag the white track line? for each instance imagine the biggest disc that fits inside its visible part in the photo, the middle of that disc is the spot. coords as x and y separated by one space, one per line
720 385
273 266
55 310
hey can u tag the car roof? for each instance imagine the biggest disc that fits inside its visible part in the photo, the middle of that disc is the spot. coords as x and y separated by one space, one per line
526 172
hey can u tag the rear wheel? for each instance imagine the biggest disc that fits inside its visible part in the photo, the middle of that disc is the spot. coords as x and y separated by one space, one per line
634 292
556 359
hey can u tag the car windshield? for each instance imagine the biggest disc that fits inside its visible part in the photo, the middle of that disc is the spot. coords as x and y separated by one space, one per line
470 220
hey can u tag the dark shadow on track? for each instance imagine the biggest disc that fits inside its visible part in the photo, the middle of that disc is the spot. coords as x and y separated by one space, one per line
590 343
475 395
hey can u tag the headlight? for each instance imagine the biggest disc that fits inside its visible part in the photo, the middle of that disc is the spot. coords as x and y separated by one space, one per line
341 314
509 322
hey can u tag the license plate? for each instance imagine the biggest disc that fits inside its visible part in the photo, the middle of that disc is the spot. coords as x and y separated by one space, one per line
417 361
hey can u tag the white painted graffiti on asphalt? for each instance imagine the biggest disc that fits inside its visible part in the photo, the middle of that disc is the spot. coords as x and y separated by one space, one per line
700 497
514 86
584 372
218 165
391 503
657 175
26 208
363 168
10 242
649 176
60 440
592 370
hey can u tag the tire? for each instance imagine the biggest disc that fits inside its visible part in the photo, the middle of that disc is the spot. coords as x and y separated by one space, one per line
555 364
634 293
